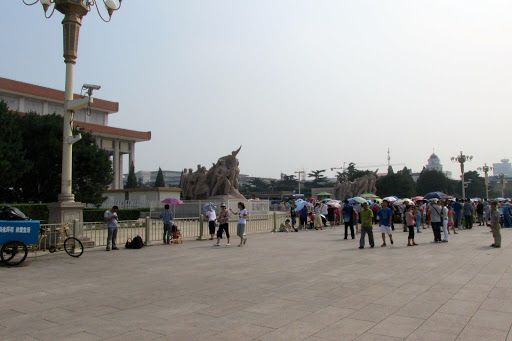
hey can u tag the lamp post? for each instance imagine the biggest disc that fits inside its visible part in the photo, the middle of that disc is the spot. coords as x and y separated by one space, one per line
502 182
486 170
461 158
74 11
299 173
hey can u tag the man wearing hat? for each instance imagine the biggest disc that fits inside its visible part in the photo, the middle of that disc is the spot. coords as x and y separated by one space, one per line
223 224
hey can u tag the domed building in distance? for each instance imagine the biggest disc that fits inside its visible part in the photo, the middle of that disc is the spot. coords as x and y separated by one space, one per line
434 163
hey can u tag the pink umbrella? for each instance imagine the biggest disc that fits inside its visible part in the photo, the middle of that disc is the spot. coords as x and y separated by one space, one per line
173 201
417 198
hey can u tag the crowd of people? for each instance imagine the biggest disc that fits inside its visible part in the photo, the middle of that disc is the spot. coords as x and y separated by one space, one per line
438 214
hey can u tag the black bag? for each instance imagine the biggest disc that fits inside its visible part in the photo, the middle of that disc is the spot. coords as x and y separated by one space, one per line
135 243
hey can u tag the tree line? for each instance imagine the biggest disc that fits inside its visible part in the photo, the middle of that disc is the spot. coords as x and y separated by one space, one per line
400 183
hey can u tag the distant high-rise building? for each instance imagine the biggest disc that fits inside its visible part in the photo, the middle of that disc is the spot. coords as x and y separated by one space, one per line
505 167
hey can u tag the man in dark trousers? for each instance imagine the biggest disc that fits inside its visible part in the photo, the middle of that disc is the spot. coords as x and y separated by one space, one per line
348 216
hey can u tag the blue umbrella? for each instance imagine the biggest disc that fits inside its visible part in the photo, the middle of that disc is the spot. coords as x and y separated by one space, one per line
351 201
434 195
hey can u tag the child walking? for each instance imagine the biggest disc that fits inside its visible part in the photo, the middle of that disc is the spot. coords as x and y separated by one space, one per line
451 222
410 220
417 212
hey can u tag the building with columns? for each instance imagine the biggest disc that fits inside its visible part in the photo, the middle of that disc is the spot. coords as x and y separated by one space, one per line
25 97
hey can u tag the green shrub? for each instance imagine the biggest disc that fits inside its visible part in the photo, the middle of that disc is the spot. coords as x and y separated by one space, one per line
33 211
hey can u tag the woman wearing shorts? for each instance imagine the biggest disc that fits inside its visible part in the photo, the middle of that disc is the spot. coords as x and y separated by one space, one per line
223 224
240 228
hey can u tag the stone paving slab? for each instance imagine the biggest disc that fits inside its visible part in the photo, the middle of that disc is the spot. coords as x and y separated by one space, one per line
311 285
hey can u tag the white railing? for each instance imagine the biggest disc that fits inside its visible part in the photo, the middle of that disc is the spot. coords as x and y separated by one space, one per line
151 230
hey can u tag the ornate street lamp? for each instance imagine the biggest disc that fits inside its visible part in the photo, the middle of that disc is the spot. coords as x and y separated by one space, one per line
74 11
486 170
462 159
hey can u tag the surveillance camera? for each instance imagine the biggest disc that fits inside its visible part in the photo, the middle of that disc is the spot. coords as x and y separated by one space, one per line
73 139
91 86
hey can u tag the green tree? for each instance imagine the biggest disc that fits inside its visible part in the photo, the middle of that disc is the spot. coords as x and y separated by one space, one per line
38 175
159 182
476 187
131 182
353 173
92 170
318 177
12 155
400 184
258 185
435 181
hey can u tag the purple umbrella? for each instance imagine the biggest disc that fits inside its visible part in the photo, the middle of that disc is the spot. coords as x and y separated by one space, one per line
173 201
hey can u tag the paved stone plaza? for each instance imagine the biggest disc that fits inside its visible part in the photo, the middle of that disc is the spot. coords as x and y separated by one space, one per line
311 285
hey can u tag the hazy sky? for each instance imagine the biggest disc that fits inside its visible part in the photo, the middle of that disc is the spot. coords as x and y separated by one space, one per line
300 84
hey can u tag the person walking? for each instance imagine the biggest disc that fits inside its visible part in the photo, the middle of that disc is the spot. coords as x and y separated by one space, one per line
212 218
293 215
506 215
410 220
451 222
480 213
435 219
303 216
495 225
444 217
348 217
330 215
324 212
468 214
240 228
418 215
111 220
457 210
385 221
366 226
166 216
318 218
223 224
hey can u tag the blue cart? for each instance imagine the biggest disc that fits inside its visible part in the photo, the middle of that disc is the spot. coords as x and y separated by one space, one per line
20 236
14 238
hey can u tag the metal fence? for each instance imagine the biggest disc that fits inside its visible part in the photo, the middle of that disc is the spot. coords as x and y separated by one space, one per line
151 230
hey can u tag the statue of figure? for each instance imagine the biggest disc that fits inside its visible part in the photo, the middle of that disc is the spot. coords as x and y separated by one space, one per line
232 164
235 177
220 179
372 188
362 185
183 182
201 189
191 181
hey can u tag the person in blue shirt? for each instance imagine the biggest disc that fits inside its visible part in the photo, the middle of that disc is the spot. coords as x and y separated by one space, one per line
506 215
348 216
385 220
457 212
303 216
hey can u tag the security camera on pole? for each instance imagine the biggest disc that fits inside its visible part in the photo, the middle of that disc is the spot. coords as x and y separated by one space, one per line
66 209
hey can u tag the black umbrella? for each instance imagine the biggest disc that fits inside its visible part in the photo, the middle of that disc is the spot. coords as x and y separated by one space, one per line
434 195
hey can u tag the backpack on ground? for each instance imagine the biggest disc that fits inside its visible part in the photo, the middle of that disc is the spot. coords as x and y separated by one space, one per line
135 243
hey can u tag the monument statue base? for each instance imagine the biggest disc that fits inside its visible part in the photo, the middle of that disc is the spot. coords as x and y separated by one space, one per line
65 212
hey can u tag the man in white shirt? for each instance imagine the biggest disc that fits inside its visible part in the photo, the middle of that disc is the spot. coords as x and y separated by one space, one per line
111 220
212 217
323 211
